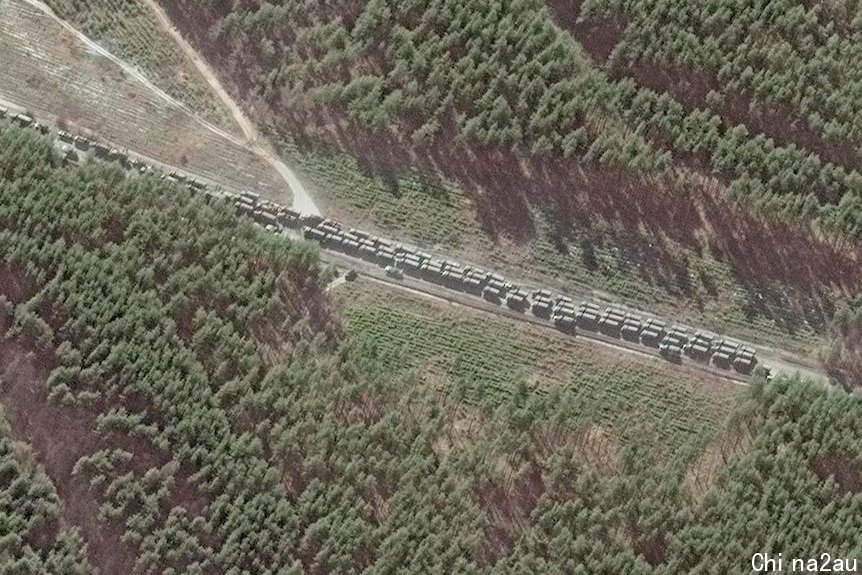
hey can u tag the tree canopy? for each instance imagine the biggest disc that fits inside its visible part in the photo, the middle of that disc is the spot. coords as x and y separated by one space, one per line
237 427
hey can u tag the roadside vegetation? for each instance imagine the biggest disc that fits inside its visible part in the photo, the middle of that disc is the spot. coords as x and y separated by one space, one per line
658 273
550 149
181 374
490 360
842 355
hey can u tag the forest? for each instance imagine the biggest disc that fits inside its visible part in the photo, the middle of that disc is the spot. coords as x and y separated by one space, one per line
33 541
193 403
663 130
505 75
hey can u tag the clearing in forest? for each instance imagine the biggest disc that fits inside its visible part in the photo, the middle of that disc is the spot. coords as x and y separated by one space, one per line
490 357
131 31
48 69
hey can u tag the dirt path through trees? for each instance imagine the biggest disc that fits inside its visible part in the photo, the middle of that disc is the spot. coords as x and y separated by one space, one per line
239 117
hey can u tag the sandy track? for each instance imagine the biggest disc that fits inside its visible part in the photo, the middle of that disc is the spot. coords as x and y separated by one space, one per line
236 112
130 70
252 141
302 200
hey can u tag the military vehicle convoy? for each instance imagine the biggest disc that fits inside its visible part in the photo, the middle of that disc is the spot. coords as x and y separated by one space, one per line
23 120
400 260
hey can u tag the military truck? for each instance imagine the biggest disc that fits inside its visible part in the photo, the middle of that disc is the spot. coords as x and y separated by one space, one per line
518 301
491 294
394 272
671 352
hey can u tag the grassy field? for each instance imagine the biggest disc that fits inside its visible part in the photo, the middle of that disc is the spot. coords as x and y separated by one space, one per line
604 260
48 70
487 356
131 30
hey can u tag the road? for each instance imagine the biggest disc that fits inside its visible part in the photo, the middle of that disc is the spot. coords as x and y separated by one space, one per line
443 294
208 74
304 203
453 297
130 70
301 199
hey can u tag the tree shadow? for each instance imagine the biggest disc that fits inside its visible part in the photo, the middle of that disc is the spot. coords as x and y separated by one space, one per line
599 35
653 217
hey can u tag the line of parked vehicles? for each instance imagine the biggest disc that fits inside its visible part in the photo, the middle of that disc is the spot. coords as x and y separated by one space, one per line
673 341
23 120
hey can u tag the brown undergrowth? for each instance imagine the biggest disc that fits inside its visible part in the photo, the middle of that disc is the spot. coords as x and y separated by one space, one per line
61 434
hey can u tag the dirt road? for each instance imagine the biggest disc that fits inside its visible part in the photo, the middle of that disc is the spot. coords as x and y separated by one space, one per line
302 200
239 117
131 71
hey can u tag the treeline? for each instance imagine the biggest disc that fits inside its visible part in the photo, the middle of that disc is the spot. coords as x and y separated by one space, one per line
242 431
502 74
842 354
132 278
